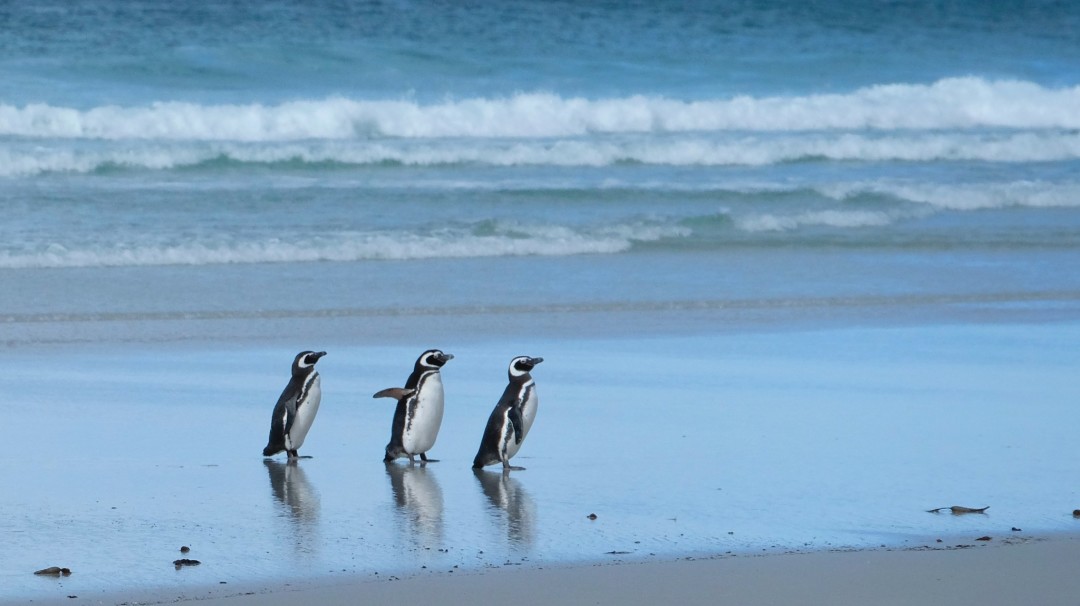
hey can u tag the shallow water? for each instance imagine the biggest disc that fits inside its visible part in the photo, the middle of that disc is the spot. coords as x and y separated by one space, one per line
679 445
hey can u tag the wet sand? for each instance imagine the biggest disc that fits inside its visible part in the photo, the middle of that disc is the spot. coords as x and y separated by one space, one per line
1001 572
811 441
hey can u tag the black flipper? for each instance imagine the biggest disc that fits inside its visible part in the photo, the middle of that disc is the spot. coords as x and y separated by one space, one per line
518 423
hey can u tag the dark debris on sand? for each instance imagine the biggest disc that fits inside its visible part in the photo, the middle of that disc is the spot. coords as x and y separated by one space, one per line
959 509
53 571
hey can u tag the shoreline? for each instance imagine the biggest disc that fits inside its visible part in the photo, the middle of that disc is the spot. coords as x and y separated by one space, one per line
1007 571
931 415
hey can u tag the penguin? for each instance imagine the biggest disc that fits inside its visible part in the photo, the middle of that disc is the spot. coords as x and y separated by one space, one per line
512 418
419 413
295 409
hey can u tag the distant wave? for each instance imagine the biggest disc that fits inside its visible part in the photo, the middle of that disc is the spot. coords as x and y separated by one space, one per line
955 103
961 196
489 239
921 199
670 150
741 214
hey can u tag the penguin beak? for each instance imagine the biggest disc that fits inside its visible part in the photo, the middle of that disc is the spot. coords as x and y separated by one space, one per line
535 361
446 358
314 357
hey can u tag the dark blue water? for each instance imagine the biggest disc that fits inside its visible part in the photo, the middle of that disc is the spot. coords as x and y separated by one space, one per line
90 53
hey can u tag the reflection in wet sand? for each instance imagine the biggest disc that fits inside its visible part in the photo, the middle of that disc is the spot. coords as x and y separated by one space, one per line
508 496
419 502
299 499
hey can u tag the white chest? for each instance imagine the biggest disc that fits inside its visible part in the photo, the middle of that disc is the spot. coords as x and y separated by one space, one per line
307 407
424 414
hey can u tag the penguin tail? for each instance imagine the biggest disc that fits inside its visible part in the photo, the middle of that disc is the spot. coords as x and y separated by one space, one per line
272 450
482 460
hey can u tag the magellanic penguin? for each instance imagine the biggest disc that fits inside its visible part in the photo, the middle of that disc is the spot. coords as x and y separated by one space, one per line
512 418
419 414
296 408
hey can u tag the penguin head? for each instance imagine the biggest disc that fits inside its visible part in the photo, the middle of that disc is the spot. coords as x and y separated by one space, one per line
521 365
433 358
305 361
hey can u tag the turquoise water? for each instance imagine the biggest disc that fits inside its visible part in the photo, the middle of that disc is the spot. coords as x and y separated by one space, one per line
136 134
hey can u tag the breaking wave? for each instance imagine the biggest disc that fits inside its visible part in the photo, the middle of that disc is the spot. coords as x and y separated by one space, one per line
954 103
958 119
593 152
491 239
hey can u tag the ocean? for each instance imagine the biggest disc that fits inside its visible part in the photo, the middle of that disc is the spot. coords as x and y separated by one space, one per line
747 238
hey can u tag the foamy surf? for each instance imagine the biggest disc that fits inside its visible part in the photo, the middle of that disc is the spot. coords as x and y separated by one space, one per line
951 103
689 150
668 219
491 239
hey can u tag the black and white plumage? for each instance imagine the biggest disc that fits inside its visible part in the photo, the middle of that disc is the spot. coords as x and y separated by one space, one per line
512 418
419 413
296 408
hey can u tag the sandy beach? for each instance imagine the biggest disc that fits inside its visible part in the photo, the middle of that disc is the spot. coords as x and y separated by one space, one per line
1000 572
792 462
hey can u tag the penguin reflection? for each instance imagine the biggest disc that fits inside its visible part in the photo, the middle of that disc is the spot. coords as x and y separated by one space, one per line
419 502
509 496
299 499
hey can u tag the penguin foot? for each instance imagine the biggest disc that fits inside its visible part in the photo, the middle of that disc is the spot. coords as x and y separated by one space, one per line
425 459
507 467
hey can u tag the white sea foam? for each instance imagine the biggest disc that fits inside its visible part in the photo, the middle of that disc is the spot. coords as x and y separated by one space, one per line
668 150
964 196
503 239
825 218
930 198
954 103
